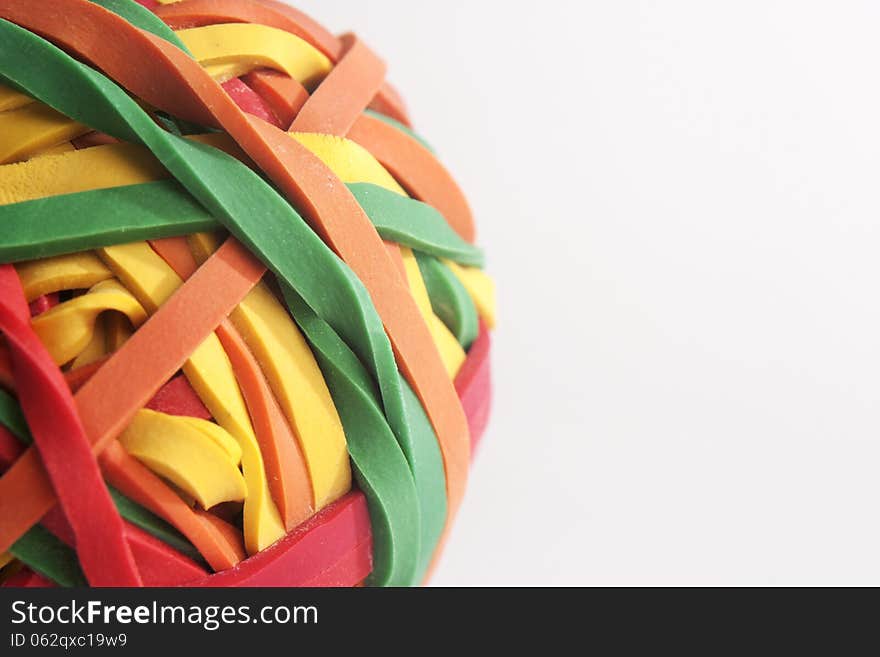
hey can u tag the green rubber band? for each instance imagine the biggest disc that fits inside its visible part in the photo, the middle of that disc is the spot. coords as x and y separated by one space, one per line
136 14
45 554
68 223
450 300
397 124
380 466
251 210
414 224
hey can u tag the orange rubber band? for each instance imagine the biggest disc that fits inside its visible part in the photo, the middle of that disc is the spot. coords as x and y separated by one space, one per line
341 98
284 95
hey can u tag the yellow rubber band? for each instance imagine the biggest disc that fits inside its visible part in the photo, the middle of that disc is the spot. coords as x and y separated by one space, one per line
232 49
219 435
67 329
11 99
78 271
31 128
186 456
209 371
98 167
96 349
58 149
350 161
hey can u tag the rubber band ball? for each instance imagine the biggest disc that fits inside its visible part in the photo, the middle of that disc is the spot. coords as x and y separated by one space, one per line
244 320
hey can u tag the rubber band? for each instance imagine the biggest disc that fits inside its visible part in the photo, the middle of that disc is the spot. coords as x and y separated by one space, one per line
413 224
67 329
112 165
73 223
186 456
450 301
63 446
178 398
249 101
158 564
308 552
286 469
70 272
34 127
26 578
284 95
96 350
231 50
11 99
130 377
474 385
336 104
63 147
145 19
47 555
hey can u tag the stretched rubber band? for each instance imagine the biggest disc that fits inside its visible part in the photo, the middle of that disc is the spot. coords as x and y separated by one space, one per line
64 447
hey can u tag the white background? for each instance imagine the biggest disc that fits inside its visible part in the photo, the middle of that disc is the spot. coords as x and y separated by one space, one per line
680 205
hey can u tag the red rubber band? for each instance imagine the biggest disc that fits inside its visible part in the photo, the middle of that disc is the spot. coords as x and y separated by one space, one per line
63 446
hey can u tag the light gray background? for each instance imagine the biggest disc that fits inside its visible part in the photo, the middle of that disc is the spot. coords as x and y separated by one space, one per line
679 202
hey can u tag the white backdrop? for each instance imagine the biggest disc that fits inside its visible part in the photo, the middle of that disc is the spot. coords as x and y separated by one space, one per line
679 203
